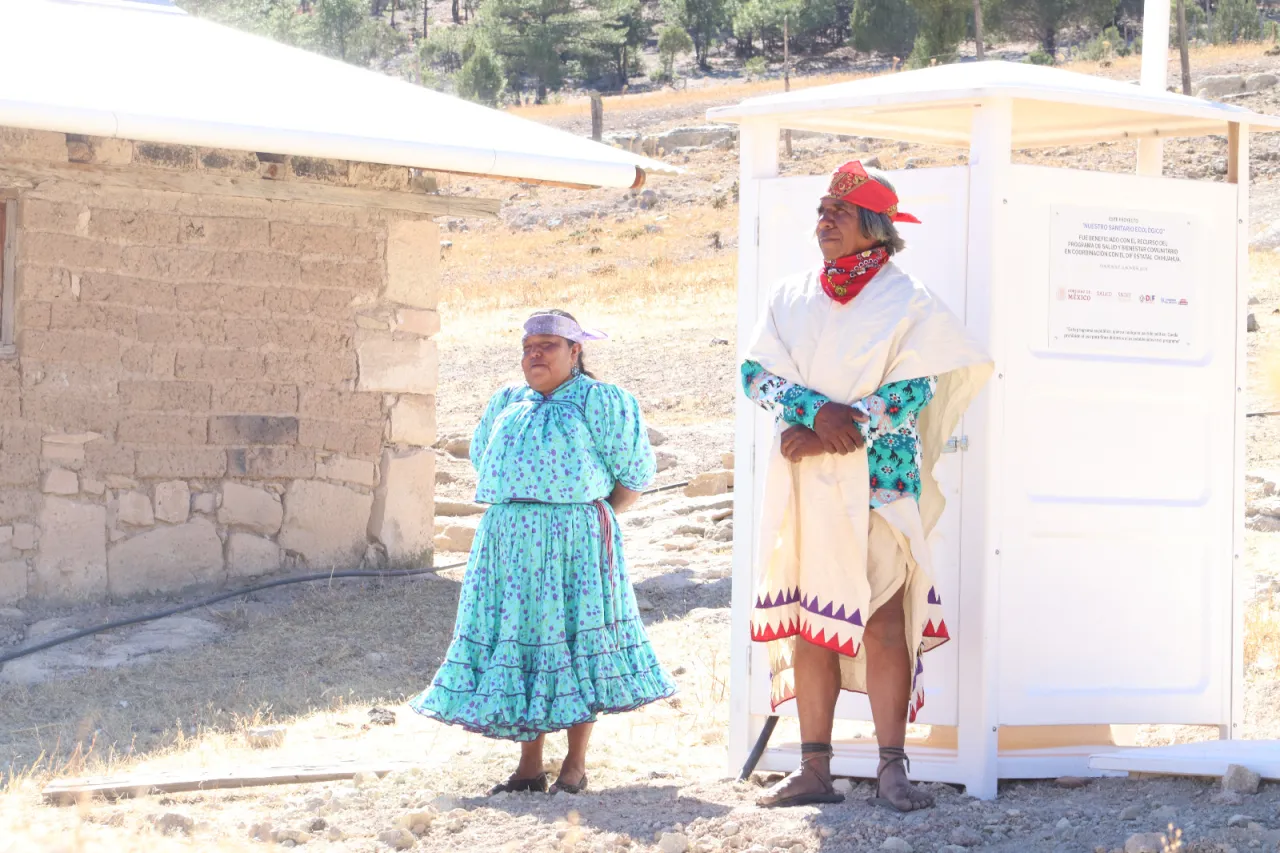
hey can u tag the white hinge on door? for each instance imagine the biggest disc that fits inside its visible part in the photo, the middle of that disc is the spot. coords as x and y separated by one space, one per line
954 444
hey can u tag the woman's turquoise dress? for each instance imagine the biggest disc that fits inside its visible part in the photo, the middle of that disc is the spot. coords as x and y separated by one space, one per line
548 634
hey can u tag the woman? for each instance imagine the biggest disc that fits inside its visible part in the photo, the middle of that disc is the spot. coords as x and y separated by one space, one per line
548 635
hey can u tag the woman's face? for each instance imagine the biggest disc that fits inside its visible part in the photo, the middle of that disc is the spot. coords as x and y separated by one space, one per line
839 231
548 361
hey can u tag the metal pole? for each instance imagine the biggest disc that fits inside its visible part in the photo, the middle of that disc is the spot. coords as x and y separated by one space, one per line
1155 76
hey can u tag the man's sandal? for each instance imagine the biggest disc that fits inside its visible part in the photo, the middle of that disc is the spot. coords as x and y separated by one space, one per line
889 756
774 799
536 784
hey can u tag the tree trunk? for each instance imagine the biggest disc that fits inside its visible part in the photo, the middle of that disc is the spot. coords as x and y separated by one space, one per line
1049 41
457 13
786 74
622 68
541 97
979 39
393 14
1183 56
426 17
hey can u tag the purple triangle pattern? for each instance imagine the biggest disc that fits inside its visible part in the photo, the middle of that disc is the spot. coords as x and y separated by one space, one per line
785 597
933 596
813 605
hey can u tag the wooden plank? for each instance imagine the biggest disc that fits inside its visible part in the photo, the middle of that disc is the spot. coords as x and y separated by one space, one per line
1233 152
203 183
69 791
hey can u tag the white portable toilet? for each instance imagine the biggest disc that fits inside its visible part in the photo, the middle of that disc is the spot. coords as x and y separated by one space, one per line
1090 552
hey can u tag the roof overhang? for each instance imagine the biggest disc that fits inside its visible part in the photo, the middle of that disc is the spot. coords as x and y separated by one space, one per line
1050 107
148 72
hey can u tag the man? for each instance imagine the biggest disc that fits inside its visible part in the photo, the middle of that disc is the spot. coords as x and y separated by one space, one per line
869 374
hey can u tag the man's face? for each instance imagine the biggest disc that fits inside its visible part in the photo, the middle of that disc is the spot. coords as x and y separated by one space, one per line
839 233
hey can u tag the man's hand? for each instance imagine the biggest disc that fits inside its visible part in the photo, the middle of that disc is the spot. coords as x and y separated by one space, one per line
835 426
799 442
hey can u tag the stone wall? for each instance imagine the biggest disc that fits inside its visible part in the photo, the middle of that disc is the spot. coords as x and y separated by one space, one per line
207 387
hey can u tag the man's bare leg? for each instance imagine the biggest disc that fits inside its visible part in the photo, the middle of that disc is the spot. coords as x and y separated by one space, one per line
817 674
889 689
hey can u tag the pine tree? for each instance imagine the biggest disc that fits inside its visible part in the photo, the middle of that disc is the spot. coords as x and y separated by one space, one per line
703 20
1042 20
481 77
1236 20
884 26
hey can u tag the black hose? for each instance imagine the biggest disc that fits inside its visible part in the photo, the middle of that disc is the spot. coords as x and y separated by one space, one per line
223 596
214 599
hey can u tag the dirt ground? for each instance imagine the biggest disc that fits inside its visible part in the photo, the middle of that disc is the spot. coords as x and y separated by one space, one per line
316 658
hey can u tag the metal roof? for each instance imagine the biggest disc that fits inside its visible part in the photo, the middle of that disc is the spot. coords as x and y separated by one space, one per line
1051 106
145 70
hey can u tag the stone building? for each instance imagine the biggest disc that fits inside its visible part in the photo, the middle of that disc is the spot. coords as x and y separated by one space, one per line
218 363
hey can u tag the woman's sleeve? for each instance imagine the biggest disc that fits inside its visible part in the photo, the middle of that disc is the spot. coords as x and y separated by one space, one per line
795 404
890 406
620 436
480 439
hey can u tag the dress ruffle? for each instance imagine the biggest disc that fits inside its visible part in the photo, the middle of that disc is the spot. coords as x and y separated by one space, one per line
547 637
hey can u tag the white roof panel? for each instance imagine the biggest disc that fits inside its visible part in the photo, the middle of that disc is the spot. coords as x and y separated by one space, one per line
147 71
1050 107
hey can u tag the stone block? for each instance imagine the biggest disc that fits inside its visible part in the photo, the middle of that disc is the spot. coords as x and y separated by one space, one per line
710 483
134 509
24 536
219 365
423 323
358 276
206 502
249 555
162 429
106 457
359 439
166 558
251 508
92 487
413 420
160 396
114 319
413 255
19 469
322 240
173 502
311 368
357 471
185 462
260 268
340 405
327 304
72 561
455 537
60 481
67 450
76 346
408 366
253 429
13 581
403 513
107 287
327 524
271 463
255 397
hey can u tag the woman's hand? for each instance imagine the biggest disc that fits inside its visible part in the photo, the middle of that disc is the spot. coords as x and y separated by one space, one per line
622 498
836 426
799 442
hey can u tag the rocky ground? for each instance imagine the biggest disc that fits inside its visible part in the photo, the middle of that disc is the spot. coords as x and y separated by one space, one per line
184 693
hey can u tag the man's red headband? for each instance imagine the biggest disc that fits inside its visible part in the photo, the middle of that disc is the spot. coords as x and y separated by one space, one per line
851 183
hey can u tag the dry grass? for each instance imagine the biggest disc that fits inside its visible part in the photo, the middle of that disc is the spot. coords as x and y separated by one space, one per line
619 269
677 97
670 97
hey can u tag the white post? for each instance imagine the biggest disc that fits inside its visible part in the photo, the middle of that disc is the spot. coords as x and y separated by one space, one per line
1155 76
758 159
1238 150
990 156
